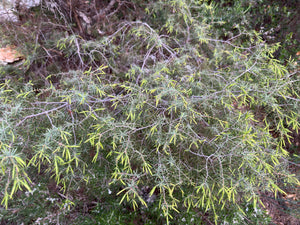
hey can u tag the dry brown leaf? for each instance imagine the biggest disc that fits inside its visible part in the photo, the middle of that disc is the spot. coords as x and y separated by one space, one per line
292 196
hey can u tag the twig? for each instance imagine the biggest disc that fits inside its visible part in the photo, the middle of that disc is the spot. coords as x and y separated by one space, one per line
42 113
102 13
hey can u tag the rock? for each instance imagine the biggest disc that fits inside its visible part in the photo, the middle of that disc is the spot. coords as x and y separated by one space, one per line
8 8
9 55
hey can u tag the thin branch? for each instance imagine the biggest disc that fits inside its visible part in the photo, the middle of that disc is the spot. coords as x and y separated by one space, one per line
40 114
102 12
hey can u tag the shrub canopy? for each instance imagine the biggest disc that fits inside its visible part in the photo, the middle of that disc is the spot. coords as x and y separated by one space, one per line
181 101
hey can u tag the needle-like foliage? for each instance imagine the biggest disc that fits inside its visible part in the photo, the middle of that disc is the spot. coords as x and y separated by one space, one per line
167 102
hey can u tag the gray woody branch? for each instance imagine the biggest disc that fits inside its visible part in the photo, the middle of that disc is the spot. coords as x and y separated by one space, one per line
104 11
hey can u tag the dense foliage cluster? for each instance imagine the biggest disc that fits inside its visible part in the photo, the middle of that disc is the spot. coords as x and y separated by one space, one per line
162 106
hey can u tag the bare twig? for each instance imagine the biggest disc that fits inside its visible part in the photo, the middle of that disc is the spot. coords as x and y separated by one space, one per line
102 12
40 114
